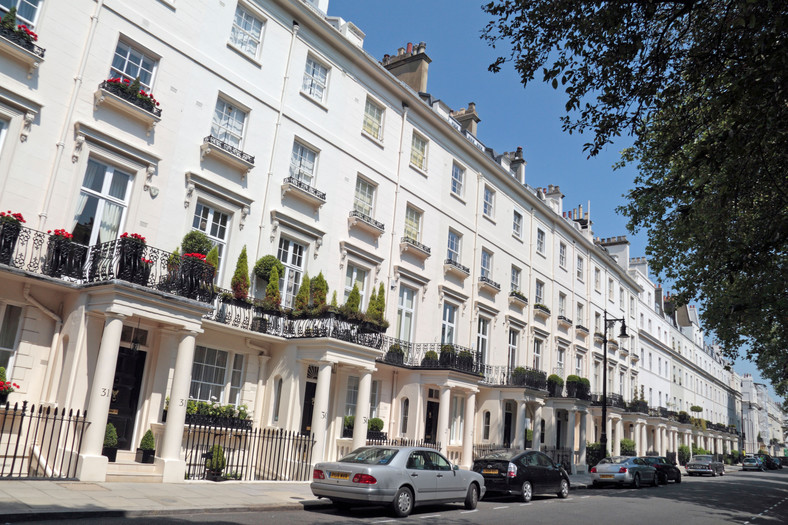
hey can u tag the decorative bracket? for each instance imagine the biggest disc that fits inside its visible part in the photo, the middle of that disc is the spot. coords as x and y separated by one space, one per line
244 214
79 140
274 227
27 124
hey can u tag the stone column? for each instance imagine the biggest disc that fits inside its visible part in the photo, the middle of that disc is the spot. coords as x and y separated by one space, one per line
443 419
549 415
570 438
619 436
92 465
259 395
537 430
320 413
644 430
519 436
470 420
658 440
582 460
362 409
611 443
174 466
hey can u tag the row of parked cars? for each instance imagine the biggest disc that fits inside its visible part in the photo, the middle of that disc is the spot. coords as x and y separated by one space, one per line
763 462
634 471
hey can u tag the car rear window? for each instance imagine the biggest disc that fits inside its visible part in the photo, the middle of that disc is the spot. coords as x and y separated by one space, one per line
702 458
370 456
615 460
499 455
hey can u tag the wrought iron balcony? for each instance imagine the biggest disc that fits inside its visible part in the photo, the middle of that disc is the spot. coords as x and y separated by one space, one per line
581 330
226 153
613 400
564 321
303 190
408 244
432 355
454 267
517 297
541 310
122 259
118 97
525 376
366 223
487 284
120 91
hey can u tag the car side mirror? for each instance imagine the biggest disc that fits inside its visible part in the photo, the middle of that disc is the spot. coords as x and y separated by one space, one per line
456 467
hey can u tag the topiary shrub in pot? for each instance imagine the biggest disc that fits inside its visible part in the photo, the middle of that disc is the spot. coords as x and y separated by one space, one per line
215 463
348 423
147 449
430 359
110 449
584 390
448 355
465 360
572 383
395 355
374 428
518 376
555 385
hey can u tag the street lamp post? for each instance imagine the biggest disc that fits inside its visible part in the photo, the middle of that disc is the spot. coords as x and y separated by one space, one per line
608 323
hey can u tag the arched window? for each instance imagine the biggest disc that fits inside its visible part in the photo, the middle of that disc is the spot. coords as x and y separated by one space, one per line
486 422
403 428
277 399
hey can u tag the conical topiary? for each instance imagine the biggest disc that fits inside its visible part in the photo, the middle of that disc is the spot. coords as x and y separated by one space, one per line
372 306
319 291
353 300
240 281
213 258
381 309
334 299
148 443
110 436
301 303
272 296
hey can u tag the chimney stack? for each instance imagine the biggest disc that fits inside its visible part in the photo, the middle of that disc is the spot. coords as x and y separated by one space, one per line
468 118
410 66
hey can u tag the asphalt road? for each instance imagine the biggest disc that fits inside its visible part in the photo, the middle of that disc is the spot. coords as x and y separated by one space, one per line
746 498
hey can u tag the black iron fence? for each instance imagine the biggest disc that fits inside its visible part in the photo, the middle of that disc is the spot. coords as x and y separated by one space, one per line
613 400
560 455
39 442
21 40
126 259
432 355
518 376
215 452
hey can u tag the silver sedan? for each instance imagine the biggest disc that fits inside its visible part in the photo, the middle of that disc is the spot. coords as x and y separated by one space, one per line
400 477
627 470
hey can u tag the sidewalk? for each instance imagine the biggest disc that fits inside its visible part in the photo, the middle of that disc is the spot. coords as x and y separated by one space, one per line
53 500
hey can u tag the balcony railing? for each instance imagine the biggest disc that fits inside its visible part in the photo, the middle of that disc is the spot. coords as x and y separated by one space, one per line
123 259
120 91
613 400
306 188
486 281
460 267
416 244
229 148
518 296
526 376
366 219
432 355
22 41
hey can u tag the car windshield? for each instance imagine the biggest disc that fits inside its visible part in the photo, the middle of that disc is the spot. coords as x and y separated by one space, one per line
750 460
614 460
370 456
702 458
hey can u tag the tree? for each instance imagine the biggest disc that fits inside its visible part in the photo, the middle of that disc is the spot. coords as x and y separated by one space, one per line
353 299
381 308
301 302
196 242
272 298
702 88
319 291
263 266
240 281
213 258
372 306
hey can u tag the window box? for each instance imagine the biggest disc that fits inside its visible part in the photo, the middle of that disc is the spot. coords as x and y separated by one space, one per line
541 311
450 266
415 247
612 344
21 48
303 191
365 223
226 153
634 357
581 331
598 337
624 352
117 97
518 298
488 285
564 322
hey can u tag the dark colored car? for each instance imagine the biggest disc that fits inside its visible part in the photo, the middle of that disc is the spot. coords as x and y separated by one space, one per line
666 470
783 460
522 473
705 464
769 462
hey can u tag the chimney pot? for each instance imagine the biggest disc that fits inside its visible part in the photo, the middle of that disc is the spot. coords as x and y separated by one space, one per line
400 51
410 47
422 47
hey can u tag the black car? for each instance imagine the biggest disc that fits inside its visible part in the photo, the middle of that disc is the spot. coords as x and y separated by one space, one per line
522 473
666 470
783 460
770 462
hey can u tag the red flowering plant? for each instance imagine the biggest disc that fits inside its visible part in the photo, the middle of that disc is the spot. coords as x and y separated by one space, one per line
7 387
134 237
199 256
132 91
31 36
61 234
9 24
8 217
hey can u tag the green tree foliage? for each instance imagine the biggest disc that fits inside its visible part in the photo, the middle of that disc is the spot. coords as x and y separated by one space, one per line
272 296
110 436
353 300
594 453
147 442
264 265
372 306
240 282
9 20
702 87
216 462
334 299
319 291
381 309
627 447
196 242
213 257
301 303
684 454
3 377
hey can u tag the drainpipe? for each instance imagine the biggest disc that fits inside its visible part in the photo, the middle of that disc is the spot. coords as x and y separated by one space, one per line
45 395
274 142
61 144
400 152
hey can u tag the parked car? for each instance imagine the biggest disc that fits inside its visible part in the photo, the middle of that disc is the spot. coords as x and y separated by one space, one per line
769 462
629 470
752 463
705 464
522 473
400 477
666 470
783 460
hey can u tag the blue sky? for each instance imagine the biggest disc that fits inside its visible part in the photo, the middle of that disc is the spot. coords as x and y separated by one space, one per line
511 114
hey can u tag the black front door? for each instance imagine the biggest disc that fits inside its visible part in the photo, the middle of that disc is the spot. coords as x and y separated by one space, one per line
126 394
431 423
309 406
507 429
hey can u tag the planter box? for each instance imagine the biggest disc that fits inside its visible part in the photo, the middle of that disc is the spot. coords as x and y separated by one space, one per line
9 233
394 357
145 456
110 453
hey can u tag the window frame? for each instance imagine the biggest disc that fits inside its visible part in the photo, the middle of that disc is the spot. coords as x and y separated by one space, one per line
313 82
369 190
483 338
240 36
227 386
299 162
351 392
539 292
133 47
413 219
486 264
293 272
517 224
103 197
453 255
418 159
457 179
488 202
448 326
380 123
403 311
541 240
220 242
537 354
356 268
580 270
222 132
516 279
16 3
562 255
12 350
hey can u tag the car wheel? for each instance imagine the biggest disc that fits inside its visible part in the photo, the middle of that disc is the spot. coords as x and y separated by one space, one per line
636 482
564 492
403 502
528 492
678 477
713 473
663 478
472 499
655 480
595 484
722 472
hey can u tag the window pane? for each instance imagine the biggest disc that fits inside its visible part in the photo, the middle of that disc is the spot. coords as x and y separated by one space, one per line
9 327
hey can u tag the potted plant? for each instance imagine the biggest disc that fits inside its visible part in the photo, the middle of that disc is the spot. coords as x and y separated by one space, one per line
215 463
347 426
395 355
584 389
110 449
240 281
536 379
374 428
518 376
572 384
17 33
10 227
448 355
131 251
264 265
465 360
147 449
555 385
430 358
6 387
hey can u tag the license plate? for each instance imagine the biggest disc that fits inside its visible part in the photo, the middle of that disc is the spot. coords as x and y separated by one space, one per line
606 476
490 471
339 475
